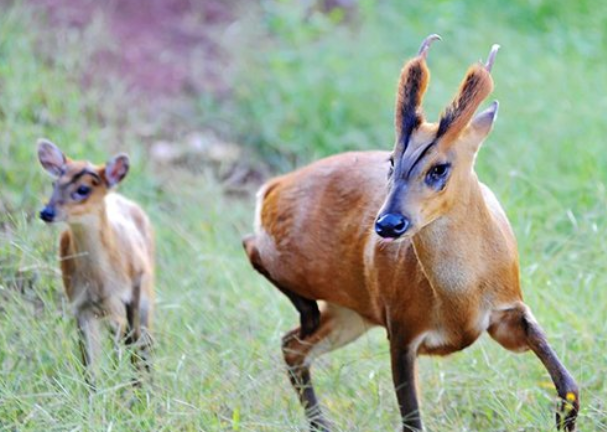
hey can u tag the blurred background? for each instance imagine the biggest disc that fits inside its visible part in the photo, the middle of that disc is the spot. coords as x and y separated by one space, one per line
212 97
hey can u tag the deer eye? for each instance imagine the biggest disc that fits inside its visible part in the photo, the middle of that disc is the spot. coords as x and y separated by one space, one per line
81 193
391 170
437 175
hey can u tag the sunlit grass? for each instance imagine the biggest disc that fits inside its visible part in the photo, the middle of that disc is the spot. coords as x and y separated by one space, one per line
314 88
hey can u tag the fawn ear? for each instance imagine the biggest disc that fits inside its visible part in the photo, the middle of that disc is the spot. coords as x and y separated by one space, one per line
116 169
51 158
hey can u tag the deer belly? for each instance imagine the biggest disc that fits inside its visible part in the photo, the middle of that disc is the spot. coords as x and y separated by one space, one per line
449 338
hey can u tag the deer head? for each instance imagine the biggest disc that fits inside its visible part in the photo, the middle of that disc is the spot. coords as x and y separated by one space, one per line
79 187
431 166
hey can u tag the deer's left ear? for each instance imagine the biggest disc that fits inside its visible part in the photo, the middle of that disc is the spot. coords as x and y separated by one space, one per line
116 169
482 123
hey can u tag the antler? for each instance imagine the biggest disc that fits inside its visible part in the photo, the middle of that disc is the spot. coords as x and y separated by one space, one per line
474 89
414 78
423 49
491 59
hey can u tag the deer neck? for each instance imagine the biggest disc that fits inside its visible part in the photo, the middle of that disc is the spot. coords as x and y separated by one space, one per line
93 237
452 249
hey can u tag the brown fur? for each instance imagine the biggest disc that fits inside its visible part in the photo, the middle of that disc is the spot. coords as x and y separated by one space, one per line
107 259
354 268
454 275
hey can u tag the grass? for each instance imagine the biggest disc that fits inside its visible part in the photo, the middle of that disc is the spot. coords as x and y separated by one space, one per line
307 89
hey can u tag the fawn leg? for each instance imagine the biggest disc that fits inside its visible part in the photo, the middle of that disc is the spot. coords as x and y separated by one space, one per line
90 343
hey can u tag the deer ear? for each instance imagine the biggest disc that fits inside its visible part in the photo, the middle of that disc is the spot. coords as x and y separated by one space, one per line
482 123
116 169
51 158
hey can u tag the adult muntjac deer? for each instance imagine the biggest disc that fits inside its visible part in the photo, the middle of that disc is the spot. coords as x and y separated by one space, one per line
408 240
106 252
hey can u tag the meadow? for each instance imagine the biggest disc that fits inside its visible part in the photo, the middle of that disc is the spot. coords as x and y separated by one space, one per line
303 86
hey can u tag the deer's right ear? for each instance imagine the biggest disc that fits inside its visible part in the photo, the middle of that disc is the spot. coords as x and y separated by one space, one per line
51 158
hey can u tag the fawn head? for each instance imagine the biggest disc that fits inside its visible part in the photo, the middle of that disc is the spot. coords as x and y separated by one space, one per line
79 187
432 163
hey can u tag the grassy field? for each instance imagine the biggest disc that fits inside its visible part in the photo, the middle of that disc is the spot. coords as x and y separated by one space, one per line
306 88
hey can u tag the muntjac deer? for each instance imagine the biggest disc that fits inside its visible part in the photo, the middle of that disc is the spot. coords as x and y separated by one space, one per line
106 252
409 240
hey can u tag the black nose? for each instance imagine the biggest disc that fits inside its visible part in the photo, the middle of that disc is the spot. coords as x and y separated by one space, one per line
391 225
47 214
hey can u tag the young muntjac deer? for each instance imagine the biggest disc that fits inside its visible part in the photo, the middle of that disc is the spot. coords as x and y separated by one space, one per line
409 240
106 252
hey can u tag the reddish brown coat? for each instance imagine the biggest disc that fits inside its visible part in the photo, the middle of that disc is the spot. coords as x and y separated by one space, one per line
444 270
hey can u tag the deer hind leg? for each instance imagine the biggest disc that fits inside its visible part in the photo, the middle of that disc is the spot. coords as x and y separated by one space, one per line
337 327
309 314
517 330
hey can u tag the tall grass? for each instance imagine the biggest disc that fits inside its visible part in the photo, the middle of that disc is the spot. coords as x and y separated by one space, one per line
309 86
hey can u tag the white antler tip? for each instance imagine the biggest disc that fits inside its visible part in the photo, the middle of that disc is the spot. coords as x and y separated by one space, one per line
423 49
491 59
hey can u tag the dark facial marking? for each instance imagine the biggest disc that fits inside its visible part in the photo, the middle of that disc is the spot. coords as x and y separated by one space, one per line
80 193
85 172
408 162
421 156
393 201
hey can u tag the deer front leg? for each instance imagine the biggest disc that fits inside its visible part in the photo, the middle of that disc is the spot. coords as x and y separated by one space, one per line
146 341
403 358
90 343
516 329
138 337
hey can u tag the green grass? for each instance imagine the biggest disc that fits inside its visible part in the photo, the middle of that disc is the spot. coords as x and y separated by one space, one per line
306 89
